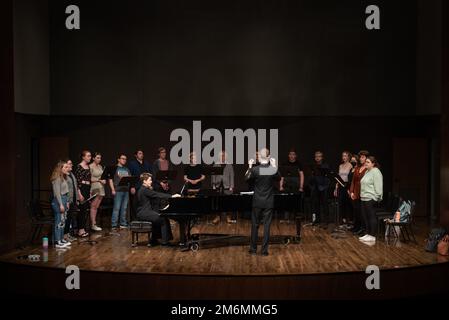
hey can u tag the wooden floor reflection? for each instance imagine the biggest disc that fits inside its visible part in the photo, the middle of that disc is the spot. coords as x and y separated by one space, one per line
318 252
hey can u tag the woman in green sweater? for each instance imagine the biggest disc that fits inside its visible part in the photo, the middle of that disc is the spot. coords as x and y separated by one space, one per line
371 192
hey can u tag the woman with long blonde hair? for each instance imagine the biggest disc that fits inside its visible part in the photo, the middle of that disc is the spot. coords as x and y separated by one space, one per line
60 202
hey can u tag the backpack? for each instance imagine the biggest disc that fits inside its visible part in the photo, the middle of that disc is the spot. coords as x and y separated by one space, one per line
405 211
434 237
443 246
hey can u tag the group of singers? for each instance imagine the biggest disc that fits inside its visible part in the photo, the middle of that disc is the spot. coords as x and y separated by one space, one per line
358 189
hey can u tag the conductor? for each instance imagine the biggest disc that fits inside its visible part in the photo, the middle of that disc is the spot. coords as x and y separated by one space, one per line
145 210
263 176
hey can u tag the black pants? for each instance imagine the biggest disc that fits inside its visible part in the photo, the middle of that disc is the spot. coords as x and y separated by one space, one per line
319 204
293 189
70 222
133 205
161 226
260 215
369 216
344 203
84 208
359 222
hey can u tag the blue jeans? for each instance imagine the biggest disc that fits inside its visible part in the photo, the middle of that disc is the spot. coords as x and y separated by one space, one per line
58 230
120 205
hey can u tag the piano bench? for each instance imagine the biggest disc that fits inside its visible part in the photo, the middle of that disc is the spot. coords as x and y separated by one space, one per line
137 227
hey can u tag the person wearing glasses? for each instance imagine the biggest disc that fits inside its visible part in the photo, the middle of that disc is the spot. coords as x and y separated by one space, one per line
120 193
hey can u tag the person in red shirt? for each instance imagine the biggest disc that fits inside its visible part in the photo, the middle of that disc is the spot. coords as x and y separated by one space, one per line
354 192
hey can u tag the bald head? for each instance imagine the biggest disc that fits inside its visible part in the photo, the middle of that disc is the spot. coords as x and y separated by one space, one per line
264 153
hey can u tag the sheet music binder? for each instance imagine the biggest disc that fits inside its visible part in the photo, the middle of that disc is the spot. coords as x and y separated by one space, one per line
108 172
89 199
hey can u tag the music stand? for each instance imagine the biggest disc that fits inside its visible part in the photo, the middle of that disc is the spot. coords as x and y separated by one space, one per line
213 170
290 171
337 178
108 172
128 180
337 232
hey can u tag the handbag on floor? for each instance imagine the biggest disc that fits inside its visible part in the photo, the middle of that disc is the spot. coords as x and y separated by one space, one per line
443 246
434 237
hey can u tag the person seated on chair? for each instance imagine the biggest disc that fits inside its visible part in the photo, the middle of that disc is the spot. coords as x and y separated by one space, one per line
145 211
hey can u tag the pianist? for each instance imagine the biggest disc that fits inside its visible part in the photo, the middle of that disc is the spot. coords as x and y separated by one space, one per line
264 176
145 210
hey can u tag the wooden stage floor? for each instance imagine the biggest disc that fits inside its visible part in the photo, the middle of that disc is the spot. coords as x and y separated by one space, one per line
318 252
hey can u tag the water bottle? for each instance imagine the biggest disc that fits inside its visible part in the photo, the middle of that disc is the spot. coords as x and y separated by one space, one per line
45 255
45 242
313 217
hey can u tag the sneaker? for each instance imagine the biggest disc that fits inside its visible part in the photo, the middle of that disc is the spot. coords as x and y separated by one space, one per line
67 243
70 238
96 228
370 239
124 227
365 237
61 245
370 242
167 244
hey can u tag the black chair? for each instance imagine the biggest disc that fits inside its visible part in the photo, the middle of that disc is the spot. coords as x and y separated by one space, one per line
38 218
387 210
405 228
138 227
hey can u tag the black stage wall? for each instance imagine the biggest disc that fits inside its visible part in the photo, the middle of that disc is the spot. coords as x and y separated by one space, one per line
7 161
209 58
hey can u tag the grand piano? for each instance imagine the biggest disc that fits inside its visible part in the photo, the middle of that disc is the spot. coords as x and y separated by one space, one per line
187 210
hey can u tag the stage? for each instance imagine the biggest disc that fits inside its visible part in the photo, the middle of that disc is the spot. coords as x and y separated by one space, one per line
320 266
